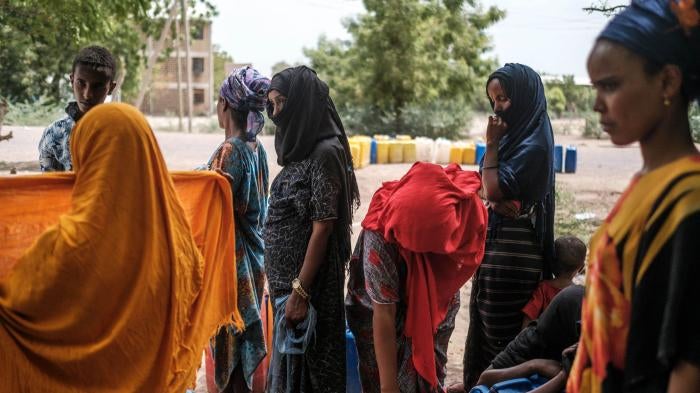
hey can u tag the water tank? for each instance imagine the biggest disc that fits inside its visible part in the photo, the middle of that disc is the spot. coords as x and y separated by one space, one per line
469 154
425 149
383 151
410 152
352 371
570 164
395 152
558 158
456 153
373 152
442 151
480 151
355 151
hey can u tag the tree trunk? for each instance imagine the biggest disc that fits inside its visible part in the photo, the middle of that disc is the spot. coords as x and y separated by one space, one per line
3 110
117 93
188 64
153 56
178 41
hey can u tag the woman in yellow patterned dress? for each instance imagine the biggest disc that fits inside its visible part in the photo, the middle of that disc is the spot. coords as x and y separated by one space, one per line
640 319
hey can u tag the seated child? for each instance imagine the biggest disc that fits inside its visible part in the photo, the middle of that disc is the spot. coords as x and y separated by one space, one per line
570 256
546 347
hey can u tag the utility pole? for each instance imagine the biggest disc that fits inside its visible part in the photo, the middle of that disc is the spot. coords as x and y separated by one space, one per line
188 66
178 42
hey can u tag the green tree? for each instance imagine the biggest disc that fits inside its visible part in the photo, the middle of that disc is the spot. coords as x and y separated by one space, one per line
578 98
556 100
409 59
221 57
41 37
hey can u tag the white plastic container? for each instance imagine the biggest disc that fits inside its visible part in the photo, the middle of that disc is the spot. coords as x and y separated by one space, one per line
425 149
442 151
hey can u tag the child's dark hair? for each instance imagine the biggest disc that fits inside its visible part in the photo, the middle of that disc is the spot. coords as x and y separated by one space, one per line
570 255
96 58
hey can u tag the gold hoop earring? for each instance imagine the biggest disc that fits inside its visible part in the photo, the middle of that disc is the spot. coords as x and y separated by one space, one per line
667 102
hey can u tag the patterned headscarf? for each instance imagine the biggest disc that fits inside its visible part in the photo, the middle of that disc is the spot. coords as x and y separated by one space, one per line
663 31
245 90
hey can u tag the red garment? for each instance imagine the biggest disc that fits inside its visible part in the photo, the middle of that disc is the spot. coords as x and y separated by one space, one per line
541 298
439 224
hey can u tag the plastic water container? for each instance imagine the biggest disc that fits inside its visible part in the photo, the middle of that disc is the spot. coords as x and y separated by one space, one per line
480 151
365 146
570 163
403 137
558 158
395 152
456 153
425 149
355 151
442 151
469 154
381 137
410 151
352 371
373 152
383 151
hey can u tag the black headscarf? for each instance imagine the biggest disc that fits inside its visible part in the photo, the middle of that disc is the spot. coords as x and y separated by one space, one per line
309 126
525 153
652 30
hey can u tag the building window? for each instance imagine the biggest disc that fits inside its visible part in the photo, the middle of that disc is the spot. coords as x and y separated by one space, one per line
198 65
169 66
198 96
197 29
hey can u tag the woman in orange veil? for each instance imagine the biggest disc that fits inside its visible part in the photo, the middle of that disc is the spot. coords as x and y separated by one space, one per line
114 297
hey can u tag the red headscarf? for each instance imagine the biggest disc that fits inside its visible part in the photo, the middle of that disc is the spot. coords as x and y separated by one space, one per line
438 222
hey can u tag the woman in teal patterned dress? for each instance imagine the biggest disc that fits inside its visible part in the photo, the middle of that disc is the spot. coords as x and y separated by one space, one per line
243 160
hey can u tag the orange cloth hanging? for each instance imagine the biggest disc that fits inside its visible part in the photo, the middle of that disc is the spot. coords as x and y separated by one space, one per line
104 284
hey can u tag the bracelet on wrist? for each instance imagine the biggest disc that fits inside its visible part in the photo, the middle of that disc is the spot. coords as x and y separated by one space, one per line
299 289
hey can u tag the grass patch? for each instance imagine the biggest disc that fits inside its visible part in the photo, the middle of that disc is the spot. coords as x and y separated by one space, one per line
565 222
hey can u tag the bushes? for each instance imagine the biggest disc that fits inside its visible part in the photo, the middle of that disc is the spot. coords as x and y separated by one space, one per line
439 119
592 127
38 113
556 100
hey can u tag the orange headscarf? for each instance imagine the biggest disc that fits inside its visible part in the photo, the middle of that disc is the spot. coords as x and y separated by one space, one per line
116 296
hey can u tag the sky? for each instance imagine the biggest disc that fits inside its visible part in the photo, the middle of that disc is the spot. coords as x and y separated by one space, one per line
551 36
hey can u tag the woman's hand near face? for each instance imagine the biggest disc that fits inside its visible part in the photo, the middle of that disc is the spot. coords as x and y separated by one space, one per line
496 129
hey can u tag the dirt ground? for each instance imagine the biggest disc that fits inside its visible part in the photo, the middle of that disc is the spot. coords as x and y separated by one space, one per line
603 172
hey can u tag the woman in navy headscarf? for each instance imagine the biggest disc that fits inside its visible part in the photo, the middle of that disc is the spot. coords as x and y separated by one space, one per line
518 183
640 320
243 160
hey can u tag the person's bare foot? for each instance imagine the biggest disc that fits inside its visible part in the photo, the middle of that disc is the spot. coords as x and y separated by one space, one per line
456 388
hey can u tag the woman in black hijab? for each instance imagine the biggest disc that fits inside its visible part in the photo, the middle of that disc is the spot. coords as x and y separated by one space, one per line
308 227
518 183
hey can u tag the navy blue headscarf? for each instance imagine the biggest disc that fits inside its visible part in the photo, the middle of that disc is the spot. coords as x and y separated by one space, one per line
525 153
651 29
